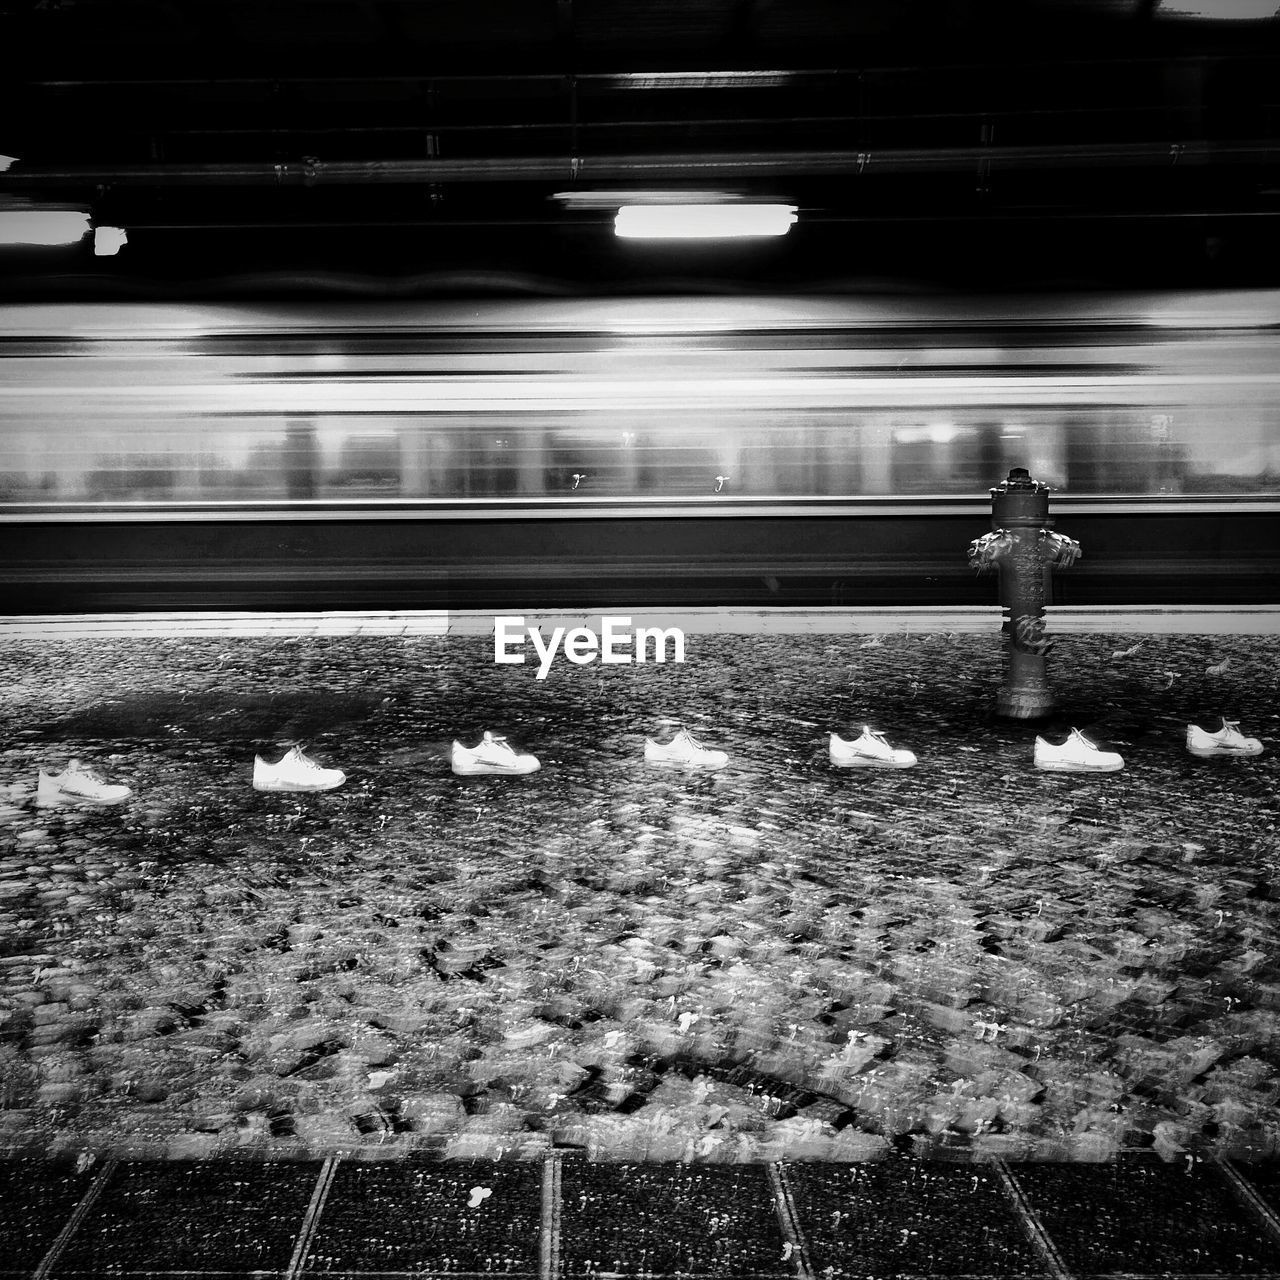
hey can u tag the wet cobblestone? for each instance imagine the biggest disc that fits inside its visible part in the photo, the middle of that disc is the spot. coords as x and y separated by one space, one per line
782 960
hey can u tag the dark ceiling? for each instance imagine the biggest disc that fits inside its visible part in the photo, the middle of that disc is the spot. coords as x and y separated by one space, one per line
414 146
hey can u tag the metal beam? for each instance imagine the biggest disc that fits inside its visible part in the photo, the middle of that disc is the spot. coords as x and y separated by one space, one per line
695 166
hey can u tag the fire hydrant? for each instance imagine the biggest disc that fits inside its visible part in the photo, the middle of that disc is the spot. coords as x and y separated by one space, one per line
1024 549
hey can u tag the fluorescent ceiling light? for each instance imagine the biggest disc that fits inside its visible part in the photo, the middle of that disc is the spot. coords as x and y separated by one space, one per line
108 241
703 221
42 226
1219 10
696 79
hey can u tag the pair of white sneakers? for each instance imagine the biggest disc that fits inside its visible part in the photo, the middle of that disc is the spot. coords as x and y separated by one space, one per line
495 755
870 750
1080 754
78 784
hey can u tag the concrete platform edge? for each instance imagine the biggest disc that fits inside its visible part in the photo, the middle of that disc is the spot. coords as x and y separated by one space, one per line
1146 620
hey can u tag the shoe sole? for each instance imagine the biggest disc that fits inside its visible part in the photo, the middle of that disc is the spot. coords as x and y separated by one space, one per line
685 764
870 762
478 770
295 787
58 801
1208 752
1055 767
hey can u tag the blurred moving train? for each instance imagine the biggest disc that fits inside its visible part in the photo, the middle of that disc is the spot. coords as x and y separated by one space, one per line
588 453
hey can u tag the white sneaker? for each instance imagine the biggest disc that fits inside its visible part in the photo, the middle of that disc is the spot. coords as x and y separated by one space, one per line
76 783
1077 755
1228 741
870 751
492 754
294 772
685 750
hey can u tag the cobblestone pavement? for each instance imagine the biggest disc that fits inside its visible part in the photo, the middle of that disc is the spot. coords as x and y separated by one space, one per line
779 961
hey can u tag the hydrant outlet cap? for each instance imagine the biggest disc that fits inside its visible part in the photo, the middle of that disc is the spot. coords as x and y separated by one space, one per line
1020 499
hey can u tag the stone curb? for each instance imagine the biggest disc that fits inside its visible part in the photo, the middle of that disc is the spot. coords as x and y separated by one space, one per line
1155 619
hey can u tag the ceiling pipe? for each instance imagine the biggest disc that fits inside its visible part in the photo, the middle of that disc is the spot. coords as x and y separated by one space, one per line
704 166
724 78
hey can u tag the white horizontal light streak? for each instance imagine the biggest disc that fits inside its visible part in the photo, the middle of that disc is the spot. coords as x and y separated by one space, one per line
1219 10
173 366
42 226
702 221
542 395
1203 310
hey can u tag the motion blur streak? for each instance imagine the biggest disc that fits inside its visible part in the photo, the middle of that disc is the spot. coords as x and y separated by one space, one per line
688 400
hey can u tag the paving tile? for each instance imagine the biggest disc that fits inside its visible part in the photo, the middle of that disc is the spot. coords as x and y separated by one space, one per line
1264 1177
1258 1184
37 1198
429 1219
909 1218
1144 1216
695 1220
228 1217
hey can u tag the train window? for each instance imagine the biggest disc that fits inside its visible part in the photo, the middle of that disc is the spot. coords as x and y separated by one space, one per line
1117 449
366 464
